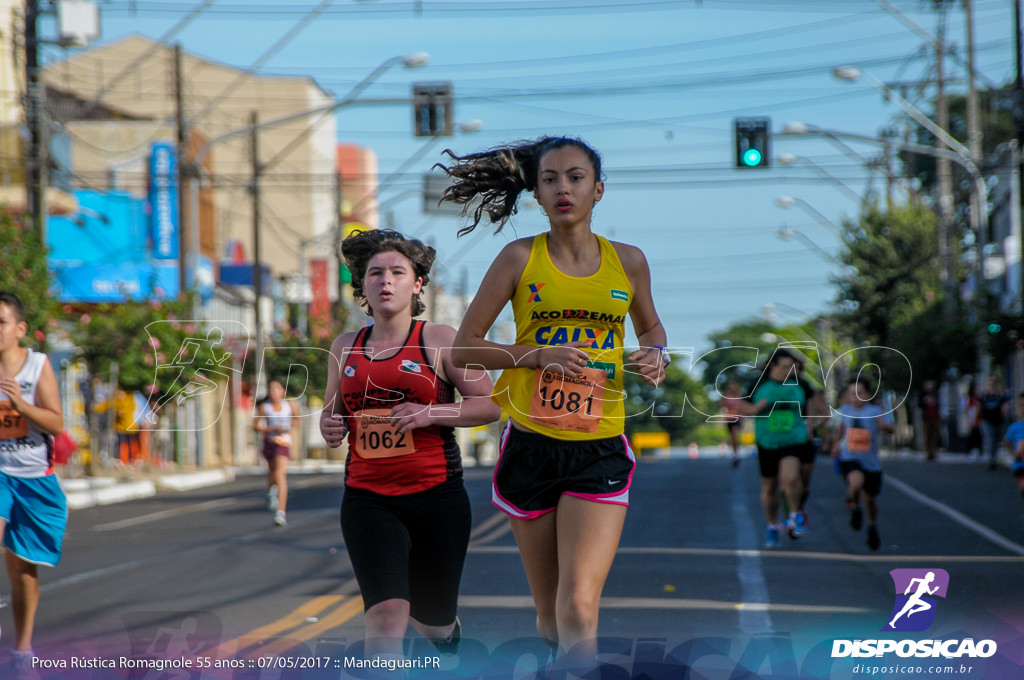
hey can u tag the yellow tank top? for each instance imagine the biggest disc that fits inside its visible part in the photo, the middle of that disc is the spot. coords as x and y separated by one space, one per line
552 308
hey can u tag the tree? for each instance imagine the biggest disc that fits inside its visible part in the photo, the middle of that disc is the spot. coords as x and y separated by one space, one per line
154 350
996 124
23 272
299 362
890 294
677 406
741 350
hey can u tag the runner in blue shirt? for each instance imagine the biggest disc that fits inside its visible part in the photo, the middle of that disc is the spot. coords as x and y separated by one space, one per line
857 449
1015 442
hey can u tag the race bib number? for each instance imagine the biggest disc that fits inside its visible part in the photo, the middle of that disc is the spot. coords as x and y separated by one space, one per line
569 403
781 421
858 440
283 439
376 436
13 425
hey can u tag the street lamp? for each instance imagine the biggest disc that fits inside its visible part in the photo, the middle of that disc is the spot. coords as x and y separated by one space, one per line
790 201
786 233
852 74
411 60
333 237
792 159
978 214
959 155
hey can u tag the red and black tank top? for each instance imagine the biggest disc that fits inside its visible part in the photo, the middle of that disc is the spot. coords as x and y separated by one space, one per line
372 383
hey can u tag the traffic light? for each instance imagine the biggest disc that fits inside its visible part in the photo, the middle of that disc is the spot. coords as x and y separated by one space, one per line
994 328
752 142
432 109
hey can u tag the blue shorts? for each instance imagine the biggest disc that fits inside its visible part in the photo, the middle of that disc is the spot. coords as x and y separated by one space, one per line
37 515
1018 469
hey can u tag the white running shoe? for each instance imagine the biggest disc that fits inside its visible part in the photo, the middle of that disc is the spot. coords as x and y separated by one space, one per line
279 518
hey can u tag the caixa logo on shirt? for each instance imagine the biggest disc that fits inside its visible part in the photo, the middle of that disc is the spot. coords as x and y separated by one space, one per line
914 610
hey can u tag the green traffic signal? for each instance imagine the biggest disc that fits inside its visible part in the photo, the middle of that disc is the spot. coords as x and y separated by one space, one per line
752 158
752 144
994 328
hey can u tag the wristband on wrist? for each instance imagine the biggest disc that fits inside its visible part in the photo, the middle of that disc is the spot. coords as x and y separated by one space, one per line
666 358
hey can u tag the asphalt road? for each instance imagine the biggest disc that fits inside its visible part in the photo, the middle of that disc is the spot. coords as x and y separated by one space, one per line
204 575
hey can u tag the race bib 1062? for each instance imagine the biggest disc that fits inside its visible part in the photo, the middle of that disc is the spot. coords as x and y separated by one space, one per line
376 436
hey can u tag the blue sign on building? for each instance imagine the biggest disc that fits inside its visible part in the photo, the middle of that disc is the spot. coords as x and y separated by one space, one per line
163 200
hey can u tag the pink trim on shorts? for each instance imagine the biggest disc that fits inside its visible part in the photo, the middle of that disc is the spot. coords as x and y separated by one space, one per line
619 497
500 501
506 506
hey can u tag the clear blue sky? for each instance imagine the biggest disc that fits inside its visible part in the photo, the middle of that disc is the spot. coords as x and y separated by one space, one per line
653 85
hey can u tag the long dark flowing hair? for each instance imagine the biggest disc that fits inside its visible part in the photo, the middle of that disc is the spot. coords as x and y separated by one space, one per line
498 176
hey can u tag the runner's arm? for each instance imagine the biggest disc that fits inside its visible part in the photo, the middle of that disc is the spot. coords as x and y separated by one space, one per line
475 386
646 324
46 413
471 348
332 421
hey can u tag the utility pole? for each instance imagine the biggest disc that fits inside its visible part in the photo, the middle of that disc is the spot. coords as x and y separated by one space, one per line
944 173
35 161
339 305
974 134
1018 115
257 273
181 135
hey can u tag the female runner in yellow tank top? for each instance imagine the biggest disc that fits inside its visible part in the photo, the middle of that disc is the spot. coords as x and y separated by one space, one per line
565 467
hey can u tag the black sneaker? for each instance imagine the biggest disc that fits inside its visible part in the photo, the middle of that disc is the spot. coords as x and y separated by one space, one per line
856 518
450 645
873 539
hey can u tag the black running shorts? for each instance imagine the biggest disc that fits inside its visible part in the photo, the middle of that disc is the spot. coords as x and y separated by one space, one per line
769 459
534 470
872 479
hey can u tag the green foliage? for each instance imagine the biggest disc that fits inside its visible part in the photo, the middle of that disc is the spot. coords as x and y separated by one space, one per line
154 350
890 296
742 349
658 409
995 107
299 362
23 272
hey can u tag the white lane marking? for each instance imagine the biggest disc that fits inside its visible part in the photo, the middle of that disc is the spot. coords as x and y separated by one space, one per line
164 514
648 603
314 517
752 621
485 526
956 516
185 509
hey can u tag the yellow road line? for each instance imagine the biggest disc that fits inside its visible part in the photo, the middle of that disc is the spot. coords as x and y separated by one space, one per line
342 614
293 619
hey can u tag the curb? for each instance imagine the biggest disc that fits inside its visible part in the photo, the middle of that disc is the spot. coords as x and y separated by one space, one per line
195 480
108 493
92 491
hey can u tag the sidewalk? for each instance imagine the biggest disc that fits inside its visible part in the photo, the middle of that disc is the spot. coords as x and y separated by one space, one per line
87 492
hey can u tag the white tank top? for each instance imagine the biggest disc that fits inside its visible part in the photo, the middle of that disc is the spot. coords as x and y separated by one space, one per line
24 448
277 419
